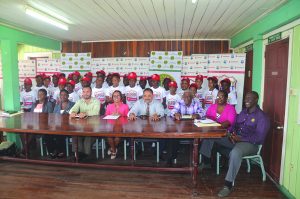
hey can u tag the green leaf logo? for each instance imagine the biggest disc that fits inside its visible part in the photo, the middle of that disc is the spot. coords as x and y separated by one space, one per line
63 54
152 62
153 53
76 63
165 62
179 53
70 67
166 53
178 62
76 54
171 66
160 57
158 66
81 59
70 59
172 57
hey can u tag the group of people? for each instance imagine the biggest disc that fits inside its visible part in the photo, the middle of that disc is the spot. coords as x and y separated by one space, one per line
80 97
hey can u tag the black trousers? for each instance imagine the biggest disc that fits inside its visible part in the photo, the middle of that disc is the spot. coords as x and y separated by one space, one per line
55 143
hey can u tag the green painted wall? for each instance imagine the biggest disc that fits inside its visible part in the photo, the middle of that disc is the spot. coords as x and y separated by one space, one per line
287 13
291 178
9 40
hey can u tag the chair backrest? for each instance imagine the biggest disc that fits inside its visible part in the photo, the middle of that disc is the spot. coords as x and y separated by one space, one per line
259 149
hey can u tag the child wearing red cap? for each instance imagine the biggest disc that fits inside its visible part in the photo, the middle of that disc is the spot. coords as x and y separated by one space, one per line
159 93
115 86
73 96
76 78
39 84
125 80
85 81
101 73
185 83
165 83
99 92
172 98
132 92
27 96
143 82
200 89
210 95
61 85
232 96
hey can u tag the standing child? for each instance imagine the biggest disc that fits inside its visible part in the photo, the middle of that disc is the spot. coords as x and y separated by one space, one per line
166 85
27 96
143 82
159 93
185 84
172 98
85 81
210 95
232 96
61 85
73 96
200 89
115 86
132 92
99 92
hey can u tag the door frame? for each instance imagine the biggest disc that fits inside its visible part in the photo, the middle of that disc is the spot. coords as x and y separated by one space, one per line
287 33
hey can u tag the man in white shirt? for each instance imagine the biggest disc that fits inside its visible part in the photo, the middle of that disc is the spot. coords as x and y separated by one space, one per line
132 92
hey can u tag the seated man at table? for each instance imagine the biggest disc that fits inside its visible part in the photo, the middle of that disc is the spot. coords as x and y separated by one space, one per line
249 131
188 107
86 106
147 107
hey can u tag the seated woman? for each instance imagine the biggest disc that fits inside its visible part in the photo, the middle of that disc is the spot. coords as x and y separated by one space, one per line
222 112
42 105
56 143
116 108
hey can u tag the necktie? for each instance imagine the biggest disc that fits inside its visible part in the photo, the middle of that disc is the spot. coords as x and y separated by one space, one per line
148 109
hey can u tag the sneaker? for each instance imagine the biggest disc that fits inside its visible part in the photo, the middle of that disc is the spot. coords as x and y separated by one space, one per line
113 155
153 145
225 191
109 151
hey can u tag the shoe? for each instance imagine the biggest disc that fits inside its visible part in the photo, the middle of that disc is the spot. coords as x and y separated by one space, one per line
225 191
113 155
153 144
204 166
52 155
109 151
61 155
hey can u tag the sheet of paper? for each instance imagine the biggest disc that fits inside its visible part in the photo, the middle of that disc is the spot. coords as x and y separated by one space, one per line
111 117
206 125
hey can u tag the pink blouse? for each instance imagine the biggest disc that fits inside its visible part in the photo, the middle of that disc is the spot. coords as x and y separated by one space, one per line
122 110
228 114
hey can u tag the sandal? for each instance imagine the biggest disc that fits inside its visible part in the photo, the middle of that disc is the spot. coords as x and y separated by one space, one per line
113 155
109 152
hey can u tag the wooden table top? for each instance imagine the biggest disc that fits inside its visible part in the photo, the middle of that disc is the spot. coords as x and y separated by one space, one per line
42 123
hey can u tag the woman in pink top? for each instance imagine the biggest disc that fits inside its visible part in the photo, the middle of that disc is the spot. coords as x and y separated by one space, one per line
116 108
222 112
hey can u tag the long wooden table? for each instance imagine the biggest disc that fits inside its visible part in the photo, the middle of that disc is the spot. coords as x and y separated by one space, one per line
56 124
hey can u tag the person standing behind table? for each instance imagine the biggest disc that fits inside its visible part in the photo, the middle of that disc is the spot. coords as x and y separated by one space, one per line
28 96
143 82
184 85
61 85
115 86
200 89
248 132
101 73
116 108
85 81
56 143
76 78
159 93
232 96
172 98
165 83
86 106
99 93
133 92
39 84
73 96
210 95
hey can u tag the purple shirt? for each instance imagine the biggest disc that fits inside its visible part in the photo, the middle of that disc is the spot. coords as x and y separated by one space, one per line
252 127
194 108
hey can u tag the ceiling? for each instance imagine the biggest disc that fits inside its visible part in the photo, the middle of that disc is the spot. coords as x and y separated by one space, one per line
95 20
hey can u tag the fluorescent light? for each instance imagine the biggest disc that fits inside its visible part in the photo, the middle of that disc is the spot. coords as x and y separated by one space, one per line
194 1
46 18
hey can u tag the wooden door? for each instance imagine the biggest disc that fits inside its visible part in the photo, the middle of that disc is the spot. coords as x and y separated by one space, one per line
248 73
276 65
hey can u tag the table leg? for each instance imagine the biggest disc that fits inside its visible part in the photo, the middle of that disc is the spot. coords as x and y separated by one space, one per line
26 145
76 148
132 150
195 165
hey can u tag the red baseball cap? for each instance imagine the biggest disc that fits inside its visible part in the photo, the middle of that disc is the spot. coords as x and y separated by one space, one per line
72 82
132 75
143 78
56 74
46 77
226 80
62 81
213 78
77 73
86 79
186 79
199 77
173 84
27 81
155 77
70 76
89 74
194 85
101 72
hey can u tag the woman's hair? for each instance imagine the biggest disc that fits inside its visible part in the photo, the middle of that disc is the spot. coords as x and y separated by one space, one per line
44 91
117 91
214 82
64 91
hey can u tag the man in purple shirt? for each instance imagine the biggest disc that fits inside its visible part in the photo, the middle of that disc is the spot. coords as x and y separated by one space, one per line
249 131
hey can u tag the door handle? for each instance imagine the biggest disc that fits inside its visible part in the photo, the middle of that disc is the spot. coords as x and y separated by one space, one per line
279 127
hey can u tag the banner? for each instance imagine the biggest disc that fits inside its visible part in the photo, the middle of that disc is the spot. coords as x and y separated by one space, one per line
76 61
48 65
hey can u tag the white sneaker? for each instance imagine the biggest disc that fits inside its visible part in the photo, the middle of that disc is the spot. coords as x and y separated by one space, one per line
109 151
113 155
